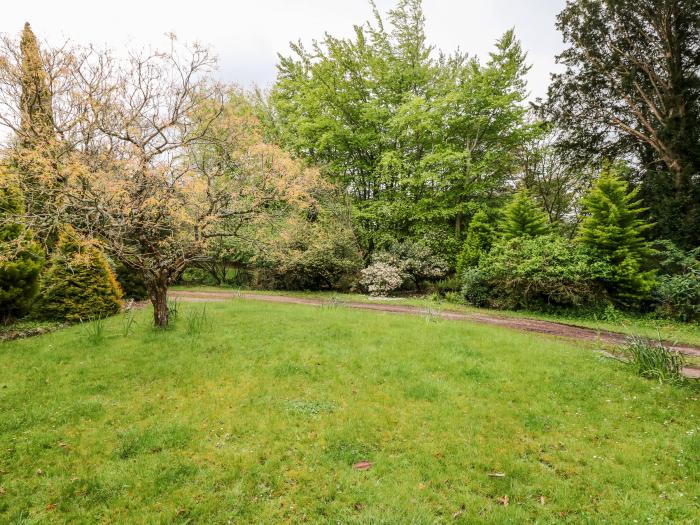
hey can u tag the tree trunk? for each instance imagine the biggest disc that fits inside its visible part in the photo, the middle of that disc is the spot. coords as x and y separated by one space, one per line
158 293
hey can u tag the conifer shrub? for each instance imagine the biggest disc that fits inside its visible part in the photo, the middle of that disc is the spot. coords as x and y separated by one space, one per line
522 217
612 232
21 258
79 284
477 242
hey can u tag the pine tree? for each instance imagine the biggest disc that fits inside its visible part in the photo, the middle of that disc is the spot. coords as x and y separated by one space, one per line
523 218
35 98
478 241
79 284
612 231
21 258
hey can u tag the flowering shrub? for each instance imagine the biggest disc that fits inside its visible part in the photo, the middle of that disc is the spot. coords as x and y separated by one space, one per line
381 278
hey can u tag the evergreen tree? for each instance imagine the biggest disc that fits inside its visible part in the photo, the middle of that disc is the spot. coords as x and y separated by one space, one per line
21 258
523 218
478 241
79 284
612 231
35 98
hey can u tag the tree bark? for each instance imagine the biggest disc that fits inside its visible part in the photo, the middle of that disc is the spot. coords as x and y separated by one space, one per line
158 293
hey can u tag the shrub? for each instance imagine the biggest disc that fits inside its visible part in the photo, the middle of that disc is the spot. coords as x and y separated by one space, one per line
381 278
612 232
131 282
79 283
678 296
478 242
312 255
475 286
651 359
21 258
537 272
415 261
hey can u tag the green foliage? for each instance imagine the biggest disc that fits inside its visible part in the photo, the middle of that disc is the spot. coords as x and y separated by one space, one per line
415 138
131 283
522 217
651 359
678 296
475 286
478 242
415 261
79 284
21 258
539 272
311 253
612 231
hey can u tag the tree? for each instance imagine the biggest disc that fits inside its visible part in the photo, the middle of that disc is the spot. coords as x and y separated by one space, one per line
522 217
21 258
478 241
158 164
416 139
631 89
612 231
79 284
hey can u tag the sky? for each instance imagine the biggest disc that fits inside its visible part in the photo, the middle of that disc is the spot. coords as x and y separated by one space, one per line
247 34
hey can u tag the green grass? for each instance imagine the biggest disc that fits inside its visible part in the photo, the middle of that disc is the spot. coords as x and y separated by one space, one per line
644 326
258 415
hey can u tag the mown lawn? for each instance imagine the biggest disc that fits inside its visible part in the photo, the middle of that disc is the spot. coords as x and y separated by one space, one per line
260 419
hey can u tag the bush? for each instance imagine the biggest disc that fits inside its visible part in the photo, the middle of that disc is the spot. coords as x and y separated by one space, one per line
475 286
311 255
678 296
21 258
79 283
131 283
537 272
415 262
381 278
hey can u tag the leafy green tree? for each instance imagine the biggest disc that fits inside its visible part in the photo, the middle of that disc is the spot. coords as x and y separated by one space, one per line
21 258
478 241
79 284
612 230
416 139
522 217
630 87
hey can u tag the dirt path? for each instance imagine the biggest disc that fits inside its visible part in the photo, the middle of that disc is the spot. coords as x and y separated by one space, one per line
528 325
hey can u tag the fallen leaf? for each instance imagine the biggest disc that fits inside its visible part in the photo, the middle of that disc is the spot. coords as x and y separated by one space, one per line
497 474
458 513
503 501
50 506
358 506
63 445
362 465
421 486
39 472
2 490
542 500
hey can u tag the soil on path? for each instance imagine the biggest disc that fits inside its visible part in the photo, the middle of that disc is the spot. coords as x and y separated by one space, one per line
528 325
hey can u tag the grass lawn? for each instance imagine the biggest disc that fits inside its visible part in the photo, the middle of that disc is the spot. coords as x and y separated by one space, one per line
687 333
260 418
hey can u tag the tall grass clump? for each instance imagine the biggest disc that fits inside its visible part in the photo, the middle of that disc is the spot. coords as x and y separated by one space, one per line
651 359
197 322
94 330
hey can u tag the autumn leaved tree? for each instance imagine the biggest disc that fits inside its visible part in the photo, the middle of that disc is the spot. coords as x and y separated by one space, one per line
153 166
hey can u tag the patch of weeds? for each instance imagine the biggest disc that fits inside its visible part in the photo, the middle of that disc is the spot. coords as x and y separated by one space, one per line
348 451
94 330
152 440
128 322
333 302
197 322
431 315
173 309
651 359
302 407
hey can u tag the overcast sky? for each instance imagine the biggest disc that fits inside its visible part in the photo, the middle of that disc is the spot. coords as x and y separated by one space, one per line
248 34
